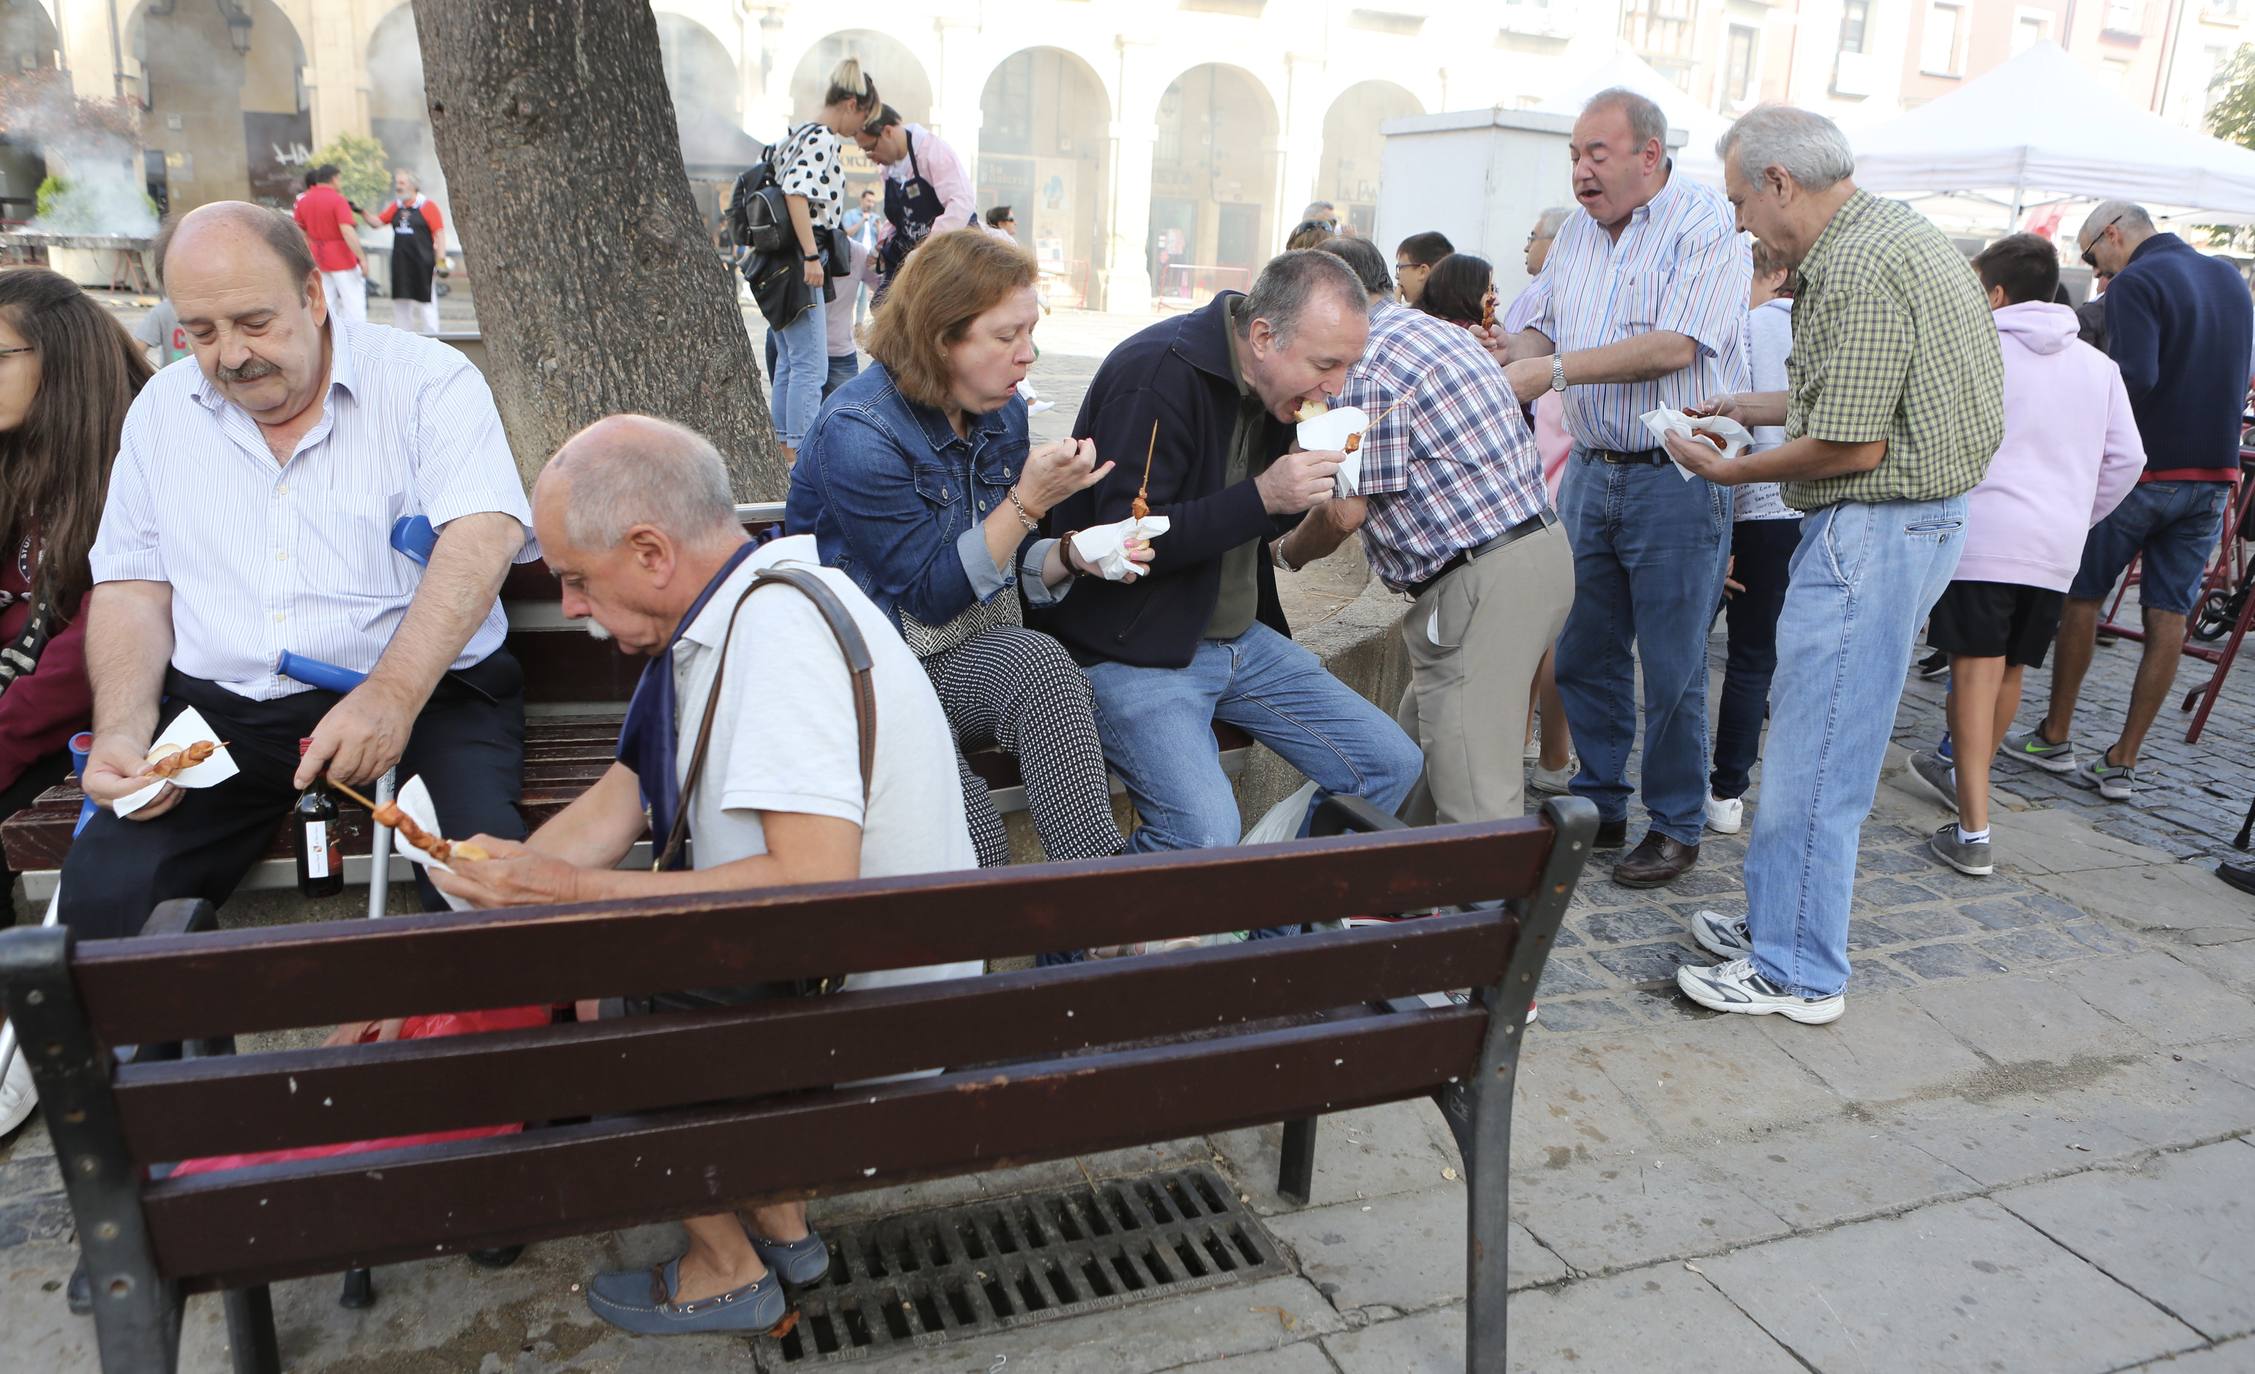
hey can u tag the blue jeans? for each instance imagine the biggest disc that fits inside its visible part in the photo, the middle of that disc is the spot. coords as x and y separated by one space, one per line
1156 725
2174 524
844 367
1864 577
1649 548
802 360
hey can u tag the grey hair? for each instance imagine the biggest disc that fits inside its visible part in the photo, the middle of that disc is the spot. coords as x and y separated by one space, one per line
1363 257
1550 221
1808 147
412 179
629 470
2130 215
1648 123
1283 291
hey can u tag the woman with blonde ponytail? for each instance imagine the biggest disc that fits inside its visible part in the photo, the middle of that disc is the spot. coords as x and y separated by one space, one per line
810 171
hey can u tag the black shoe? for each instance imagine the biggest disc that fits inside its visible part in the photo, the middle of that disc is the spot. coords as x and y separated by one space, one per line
1611 834
2241 876
500 1257
1655 862
79 1293
1934 665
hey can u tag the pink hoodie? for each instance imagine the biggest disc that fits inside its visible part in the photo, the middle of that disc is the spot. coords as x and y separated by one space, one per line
2070 454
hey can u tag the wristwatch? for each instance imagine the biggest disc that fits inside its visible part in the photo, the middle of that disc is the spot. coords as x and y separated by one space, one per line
1276 556
1557 372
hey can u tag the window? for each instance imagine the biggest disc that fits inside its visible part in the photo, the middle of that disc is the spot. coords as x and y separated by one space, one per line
1855 18
1938 46
1738 65
2029 27
2126 17
1658 27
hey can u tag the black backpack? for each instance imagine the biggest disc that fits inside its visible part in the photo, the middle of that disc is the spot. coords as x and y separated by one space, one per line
758 218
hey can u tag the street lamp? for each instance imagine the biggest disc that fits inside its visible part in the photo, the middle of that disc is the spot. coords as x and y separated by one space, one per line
238 25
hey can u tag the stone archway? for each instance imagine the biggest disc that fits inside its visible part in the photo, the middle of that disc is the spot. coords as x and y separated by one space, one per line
398 110
1213 183
1044 150
1347 174
901 79
225 106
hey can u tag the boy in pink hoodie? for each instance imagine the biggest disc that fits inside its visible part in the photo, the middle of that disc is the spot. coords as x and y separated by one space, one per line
2070 454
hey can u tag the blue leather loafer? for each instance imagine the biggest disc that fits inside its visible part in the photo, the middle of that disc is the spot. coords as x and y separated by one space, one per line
641 1301
800 1262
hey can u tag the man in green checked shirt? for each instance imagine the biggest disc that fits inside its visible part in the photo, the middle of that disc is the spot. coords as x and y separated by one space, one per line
1896 404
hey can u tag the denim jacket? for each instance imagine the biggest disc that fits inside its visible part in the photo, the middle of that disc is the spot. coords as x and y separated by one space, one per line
896 501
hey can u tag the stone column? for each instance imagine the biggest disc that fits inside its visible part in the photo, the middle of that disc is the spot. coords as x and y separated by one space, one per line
334 88
1127 276
1299 148
956 115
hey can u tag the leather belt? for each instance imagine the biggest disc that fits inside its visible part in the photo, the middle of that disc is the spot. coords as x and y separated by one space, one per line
1642 457
1533 524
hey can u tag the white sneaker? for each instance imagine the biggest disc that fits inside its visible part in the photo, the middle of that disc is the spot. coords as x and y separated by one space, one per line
1725 937
1725 816
17 1095
1555 782
1735 986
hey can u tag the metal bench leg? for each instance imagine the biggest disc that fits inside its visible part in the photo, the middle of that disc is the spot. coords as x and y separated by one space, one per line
1295 1174
250 1331
359 1291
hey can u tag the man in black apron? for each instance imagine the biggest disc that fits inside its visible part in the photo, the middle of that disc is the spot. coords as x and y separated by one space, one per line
936 193
416 226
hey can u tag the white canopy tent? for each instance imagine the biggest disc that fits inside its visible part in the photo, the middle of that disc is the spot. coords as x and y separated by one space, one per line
1701 126
2042 128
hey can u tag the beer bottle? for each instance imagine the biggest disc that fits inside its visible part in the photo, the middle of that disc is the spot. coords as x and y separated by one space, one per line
313 833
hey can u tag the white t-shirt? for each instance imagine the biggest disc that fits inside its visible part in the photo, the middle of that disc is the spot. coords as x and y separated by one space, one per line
785 737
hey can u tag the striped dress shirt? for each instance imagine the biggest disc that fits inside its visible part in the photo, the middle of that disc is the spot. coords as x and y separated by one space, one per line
1679 266
265 556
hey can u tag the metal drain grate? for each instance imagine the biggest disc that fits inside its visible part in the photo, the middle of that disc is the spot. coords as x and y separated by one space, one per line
902 1282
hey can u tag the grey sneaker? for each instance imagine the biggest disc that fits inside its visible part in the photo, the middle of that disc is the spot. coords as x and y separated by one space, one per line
1931 769
1557 782
1735 986
2113 781
1725 937
1970 859
2029 746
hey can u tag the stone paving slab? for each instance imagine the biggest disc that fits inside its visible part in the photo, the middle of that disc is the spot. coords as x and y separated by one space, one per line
1959 1286
1650 1206
1367 1153
2021 1018
2238 1357
1405 1253
2180 1231
2162 997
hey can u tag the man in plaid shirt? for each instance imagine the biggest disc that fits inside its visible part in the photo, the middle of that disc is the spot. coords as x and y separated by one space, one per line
1451 508
1895 407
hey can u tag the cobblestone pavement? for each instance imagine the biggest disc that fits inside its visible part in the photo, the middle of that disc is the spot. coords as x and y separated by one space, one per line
2029 1146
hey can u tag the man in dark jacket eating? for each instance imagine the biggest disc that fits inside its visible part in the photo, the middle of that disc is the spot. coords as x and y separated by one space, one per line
1201 637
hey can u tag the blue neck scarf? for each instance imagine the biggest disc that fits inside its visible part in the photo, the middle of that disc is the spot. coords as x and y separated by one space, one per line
649 740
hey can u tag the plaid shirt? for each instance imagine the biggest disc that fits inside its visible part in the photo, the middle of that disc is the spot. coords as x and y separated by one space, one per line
1453 464
1892 340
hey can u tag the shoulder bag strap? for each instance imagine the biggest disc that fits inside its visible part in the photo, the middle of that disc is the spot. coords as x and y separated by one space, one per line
858 666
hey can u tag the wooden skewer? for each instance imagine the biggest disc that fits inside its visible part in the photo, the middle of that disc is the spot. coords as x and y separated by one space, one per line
1142 505
355 796
437 848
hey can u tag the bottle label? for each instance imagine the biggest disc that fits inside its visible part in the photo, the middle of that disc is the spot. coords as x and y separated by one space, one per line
317 849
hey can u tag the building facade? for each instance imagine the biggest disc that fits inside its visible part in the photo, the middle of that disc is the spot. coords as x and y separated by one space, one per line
1153 149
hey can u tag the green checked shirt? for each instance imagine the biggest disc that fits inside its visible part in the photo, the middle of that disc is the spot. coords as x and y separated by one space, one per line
1892 340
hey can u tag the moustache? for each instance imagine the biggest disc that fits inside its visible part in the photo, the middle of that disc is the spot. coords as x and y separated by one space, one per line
595 631
251 371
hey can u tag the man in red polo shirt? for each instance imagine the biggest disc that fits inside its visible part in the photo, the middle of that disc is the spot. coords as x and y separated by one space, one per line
334 231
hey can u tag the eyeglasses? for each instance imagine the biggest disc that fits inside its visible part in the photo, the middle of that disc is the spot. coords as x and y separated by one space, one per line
2090 258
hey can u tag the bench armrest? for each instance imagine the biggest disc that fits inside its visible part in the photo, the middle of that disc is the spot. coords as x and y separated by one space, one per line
1350 816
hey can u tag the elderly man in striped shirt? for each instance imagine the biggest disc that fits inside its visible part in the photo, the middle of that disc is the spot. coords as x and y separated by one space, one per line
250 512
1894 406
1646 309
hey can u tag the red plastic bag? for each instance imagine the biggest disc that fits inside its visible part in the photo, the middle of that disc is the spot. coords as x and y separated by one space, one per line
415 1028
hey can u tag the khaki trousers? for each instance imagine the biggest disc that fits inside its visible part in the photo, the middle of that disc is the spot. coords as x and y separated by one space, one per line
1475 640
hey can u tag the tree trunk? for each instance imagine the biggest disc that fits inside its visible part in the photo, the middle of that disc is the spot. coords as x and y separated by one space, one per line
598 286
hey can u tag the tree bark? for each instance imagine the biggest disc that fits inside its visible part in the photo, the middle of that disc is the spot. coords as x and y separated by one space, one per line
598 286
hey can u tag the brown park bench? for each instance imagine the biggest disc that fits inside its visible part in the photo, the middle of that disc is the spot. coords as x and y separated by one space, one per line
576 689
664 1117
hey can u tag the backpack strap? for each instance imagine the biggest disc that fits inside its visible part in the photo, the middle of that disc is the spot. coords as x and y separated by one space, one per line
859 666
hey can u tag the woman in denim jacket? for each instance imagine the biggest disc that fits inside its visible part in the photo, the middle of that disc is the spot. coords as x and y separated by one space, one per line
917 481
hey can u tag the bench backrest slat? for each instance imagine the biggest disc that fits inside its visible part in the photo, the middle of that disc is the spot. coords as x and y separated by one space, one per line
166 988
279 1221
238 1104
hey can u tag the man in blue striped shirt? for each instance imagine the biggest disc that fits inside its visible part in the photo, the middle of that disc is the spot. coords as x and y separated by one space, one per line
1646 309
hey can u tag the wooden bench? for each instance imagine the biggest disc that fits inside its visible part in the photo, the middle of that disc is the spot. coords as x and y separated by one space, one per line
672 1115
576 689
